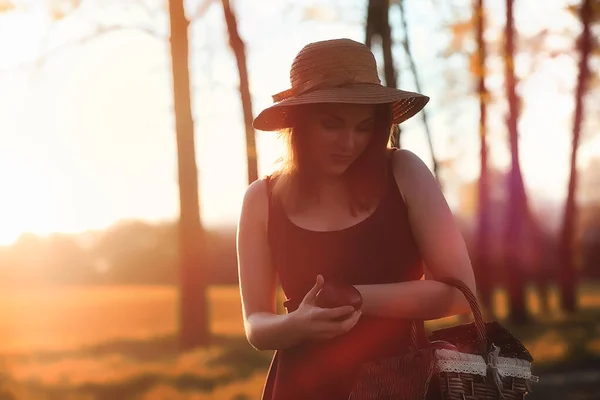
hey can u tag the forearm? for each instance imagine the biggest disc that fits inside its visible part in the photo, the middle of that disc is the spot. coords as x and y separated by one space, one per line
268 331
422 299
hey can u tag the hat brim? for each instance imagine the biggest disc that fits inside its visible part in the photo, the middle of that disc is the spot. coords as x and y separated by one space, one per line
404 104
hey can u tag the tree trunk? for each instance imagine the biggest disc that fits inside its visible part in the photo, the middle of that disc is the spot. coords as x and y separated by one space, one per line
517 217
238 47
385 32
567 271
193 312
378 24
482 265
413 68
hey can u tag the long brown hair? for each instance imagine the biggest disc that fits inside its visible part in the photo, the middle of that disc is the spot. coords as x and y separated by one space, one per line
365 179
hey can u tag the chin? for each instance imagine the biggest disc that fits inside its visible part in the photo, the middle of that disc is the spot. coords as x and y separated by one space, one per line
336 170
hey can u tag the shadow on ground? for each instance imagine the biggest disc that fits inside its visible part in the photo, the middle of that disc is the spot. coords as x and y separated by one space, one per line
575 376
234 358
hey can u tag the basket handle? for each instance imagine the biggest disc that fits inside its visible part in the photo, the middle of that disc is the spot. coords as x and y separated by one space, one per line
418 327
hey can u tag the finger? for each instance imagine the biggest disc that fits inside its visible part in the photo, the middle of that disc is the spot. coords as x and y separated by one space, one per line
334 313
332 329
350 322
311 296
329 330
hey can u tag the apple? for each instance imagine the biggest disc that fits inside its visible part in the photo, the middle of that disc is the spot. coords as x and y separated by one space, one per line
334 295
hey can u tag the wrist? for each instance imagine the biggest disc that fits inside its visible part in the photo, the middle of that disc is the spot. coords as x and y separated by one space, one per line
295 327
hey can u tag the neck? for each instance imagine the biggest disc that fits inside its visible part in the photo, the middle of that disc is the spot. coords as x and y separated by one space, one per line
331 189
327 181
324 188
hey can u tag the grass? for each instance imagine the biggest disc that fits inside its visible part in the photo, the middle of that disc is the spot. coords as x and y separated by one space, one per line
120 343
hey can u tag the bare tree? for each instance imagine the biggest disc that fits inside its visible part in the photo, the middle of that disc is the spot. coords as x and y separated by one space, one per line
194 328
238 47
567 272
413 68
518 213
378 24
482 250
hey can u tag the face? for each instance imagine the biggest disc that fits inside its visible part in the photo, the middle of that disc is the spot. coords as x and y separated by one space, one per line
337 135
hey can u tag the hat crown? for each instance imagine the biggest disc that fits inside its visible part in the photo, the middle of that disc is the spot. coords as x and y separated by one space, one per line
336 71
332 63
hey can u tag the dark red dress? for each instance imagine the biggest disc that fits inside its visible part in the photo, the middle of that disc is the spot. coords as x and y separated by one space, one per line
380 249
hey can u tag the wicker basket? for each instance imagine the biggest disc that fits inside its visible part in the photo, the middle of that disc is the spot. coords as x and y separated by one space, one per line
473 361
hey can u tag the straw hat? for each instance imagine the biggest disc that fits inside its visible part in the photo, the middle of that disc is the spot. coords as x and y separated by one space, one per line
336 71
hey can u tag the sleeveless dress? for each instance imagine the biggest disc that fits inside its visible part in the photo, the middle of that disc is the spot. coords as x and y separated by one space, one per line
379 249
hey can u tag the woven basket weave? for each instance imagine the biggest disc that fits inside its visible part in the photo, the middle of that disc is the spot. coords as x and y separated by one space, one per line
476 361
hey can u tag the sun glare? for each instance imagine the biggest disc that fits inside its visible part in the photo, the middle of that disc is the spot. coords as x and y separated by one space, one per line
29 201
88 139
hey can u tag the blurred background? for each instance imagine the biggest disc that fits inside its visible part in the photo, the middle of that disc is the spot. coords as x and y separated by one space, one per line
126 146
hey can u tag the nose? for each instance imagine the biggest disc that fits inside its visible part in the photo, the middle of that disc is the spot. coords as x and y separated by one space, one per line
347 139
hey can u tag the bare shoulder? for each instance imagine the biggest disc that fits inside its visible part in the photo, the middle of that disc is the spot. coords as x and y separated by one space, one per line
406 164
412 175
256 202
256 192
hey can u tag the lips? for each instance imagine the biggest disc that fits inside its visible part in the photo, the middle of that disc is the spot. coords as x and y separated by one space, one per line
341 158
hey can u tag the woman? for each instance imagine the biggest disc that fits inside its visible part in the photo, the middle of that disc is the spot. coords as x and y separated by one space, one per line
344 208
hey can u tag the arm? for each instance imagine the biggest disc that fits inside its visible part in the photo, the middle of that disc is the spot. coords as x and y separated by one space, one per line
265 329
441 245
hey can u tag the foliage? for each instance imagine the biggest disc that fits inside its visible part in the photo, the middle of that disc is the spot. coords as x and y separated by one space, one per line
60 9
6 5
130 252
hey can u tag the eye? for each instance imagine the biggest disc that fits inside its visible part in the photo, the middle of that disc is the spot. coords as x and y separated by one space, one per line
329 123
367 128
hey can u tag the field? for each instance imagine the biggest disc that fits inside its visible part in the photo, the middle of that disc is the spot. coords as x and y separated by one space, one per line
119 343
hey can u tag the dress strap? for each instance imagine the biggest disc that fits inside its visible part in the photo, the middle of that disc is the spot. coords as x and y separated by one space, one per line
269 180
272 201
275 210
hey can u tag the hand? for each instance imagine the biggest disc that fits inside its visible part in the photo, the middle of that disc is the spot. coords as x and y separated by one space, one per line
318 323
